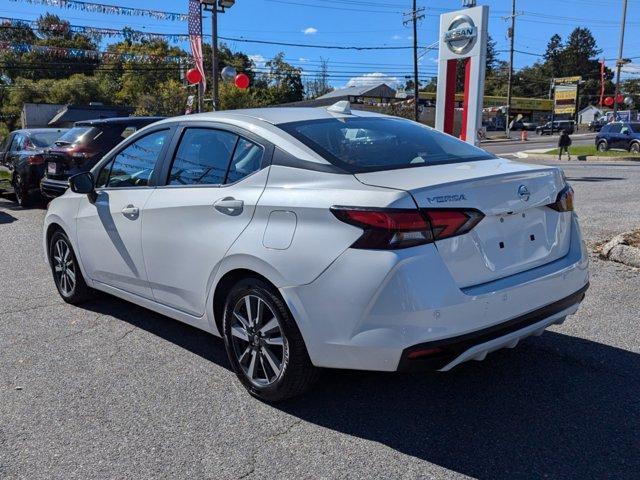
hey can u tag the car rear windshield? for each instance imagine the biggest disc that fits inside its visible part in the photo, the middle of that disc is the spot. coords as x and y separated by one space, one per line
363 144
45 139
77 135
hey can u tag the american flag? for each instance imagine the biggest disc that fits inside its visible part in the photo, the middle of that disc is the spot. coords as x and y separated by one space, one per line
195 38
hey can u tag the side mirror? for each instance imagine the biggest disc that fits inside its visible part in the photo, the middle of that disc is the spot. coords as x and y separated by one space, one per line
83 183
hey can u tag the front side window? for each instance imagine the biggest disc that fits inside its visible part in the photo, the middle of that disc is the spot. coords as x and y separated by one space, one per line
134 165
635 127
202 157
361 144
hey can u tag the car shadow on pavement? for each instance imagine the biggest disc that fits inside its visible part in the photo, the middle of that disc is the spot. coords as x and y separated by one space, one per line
555 407
6 218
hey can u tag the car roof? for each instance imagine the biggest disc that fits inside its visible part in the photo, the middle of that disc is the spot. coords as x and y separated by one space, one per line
40 130
118 121
274 115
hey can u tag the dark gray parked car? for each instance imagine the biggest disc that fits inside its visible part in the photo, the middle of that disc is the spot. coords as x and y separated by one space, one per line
22 153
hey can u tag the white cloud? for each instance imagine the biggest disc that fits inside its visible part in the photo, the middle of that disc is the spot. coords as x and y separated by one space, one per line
303 60
258 60
310 31
396 37
633 68
372 79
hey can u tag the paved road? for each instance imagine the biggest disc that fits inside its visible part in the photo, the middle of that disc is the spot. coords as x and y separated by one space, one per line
111 390
535 142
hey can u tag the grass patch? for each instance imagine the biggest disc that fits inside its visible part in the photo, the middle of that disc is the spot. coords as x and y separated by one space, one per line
4 175
590 150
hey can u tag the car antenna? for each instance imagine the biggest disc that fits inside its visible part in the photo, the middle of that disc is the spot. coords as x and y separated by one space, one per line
343 106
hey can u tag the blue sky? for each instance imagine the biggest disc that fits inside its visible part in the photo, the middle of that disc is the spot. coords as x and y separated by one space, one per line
370 22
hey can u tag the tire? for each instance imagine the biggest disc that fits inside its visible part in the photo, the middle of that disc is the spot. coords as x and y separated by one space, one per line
635 148
66 271
603 147
23 198
263 343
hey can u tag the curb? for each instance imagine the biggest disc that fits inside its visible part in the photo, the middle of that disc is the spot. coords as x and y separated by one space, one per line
618 250
580 158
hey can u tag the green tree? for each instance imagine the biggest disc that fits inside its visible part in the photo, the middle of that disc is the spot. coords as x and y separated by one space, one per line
50 31
553 56
282 83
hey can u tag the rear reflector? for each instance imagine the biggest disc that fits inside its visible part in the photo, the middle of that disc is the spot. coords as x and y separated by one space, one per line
389 228
35 160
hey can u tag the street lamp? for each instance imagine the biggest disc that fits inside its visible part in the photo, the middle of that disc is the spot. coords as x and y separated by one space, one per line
215 7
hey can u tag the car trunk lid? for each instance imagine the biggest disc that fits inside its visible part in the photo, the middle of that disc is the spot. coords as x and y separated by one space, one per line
518 232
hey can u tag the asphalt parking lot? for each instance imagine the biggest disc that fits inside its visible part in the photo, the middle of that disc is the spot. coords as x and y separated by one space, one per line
111 390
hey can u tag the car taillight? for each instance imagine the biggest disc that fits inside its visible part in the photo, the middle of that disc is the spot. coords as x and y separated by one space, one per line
564 201
35 160
388 228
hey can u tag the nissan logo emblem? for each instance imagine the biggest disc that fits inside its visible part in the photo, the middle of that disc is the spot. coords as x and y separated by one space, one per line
462 35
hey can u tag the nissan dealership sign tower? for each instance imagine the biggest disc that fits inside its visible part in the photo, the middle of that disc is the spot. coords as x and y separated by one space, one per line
463 38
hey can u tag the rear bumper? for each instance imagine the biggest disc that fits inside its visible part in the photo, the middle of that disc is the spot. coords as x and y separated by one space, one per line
449 352
53 188
369 310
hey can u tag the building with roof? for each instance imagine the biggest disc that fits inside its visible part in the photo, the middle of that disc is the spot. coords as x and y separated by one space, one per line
40 115
373 94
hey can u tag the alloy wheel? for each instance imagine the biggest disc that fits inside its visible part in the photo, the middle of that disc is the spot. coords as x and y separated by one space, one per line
602 147
258 342
64 267
635 148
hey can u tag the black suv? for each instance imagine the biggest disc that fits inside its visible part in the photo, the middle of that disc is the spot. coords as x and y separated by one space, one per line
83 146
22 153
566 125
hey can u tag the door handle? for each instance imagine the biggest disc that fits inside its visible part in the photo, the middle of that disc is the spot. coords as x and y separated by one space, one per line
131 212
229 206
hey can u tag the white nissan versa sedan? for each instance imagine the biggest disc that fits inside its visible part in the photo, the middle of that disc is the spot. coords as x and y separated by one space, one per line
314 238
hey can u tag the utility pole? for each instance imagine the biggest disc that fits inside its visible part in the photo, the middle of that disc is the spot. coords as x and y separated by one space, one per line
512 31
215 7
620 62
413 17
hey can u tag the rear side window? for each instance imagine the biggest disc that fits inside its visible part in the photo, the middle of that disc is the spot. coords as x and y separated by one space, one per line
605 129
202 157
17 143
247 159
615 128
134 165
364 144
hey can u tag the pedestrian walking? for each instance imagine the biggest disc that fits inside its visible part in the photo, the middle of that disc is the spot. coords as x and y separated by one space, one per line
564 142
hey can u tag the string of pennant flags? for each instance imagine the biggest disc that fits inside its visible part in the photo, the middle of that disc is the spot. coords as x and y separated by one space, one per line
8 22
109 9
62 52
